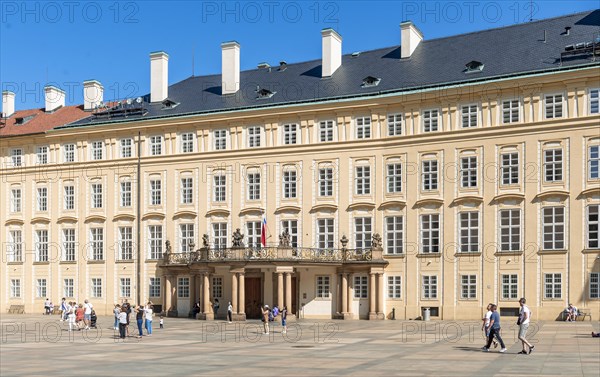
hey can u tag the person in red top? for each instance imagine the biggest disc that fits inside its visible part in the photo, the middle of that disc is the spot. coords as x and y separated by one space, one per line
79 316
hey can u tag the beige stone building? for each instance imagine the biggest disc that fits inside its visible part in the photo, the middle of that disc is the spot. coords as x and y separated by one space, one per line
441 174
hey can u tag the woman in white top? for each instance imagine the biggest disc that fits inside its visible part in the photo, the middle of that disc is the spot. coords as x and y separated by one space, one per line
148 313
122 323
71 315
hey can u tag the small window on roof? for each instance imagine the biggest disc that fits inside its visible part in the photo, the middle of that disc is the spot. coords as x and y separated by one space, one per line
356 54
282 65
473 67
370 81
168 104
263 93
22 120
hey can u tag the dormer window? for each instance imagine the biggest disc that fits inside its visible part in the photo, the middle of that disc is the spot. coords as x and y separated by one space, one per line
22 120
370 81
263 93
168 104
473 67
263 65
282 66
356 54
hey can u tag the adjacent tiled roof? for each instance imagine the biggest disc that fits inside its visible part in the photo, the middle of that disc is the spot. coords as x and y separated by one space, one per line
38 121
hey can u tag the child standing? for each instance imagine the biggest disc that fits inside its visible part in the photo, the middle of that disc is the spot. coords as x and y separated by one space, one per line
161 322
284 319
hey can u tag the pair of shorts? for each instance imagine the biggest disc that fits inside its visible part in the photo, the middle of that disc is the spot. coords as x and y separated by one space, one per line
283 322
523 330
87 317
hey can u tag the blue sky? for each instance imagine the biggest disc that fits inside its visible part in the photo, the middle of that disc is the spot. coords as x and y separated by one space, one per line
67 42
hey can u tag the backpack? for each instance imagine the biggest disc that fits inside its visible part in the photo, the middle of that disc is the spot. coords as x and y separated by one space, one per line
275 312
271 316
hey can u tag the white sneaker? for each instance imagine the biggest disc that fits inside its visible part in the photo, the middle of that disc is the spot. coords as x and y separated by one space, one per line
502 350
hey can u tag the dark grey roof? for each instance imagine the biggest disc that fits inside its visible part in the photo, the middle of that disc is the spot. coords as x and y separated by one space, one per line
506 51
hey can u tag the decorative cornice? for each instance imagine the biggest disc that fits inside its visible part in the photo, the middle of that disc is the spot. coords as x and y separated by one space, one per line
355 206
252 210
324 207
40 219
217 212
289 208
184 213
67 219
392 203
124 216
560 193
95 218
150 215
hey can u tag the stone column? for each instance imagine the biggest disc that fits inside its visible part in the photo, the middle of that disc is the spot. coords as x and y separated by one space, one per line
192 291
280 289
350 294
206 297
372 294
344 293
174 295
380 313
234 291
167 294
288 290
242 295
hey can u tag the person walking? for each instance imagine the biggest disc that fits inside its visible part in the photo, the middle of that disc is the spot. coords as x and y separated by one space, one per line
216 307
116 311
122 322
139 318
284 320
486 324
494 331
523 322
229 312
47 306
87 313
63 309
265 318
148 314
71 315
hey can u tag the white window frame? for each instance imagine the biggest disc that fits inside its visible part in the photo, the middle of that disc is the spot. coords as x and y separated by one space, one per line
468 232
362 180
509 106
41 245
254 138
394 287
394 235
183 287
430 234
217 287
593 162
154 288
155 145
361 286
290 135
125 193
155 242
594 286
594 101
468 287
363 127
509 286
96 243
469 116
16 201
429 175
323 286
186 236
363 232
468 172
253 234
292 226
553 228
220 139
155 192
41 288
187 142
97 150
42 199
327 130
125 287
290 177
69 197
15 288
69 245
97 200
68 287
219 230
429 287
509 166
254 185
395 124
430 120
187 190
69 153
325 181
325 233
220 188
14 248
126 148
16 155
96 288
552 286
125 240
41 153
592 238
394 177
554 106
510 230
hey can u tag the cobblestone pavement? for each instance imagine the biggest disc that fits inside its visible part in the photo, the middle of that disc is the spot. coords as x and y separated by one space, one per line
41 345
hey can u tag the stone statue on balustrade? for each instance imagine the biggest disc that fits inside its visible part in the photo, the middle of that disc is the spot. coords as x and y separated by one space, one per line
376 242
167 249
285 239
205 244
238 239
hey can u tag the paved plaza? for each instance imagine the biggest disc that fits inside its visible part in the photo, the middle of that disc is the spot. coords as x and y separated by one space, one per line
40 345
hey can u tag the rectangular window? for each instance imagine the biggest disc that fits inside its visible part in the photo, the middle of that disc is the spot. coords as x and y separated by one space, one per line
96 287
468 286
125 194
363 180
154 287
469 116
553 228
187 237
219 186
41 288
254 136
68 288
253 229
510 168
15 288
292 227
97 195
595 285
510 230
430 120
552 286
469 232
323 287
253 186
69 244
361 287
468 172
363 127
217 287
430 233
326 182
15 200
395 123
394 234
155 145
219 235
97 243
125 146
553 165
187 190
510 111
290 134
430 287
16 157
394 287
69 196
125 287
592 226
594 101
69 153
125 243
187 142
554 106
326 131
183 287
42 199
155 192
97 150
41 245
155 242
325 234
593 161
429 175
220 137
42 155
509 287
394 178
362 232
289 184
15 246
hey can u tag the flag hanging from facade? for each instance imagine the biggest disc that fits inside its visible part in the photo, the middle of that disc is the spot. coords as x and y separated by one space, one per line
263 232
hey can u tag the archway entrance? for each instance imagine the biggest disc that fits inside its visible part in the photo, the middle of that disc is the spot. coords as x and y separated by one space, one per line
253 297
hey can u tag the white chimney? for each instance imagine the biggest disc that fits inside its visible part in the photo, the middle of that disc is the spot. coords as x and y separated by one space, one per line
332 52
410 37
93 94
8 103
55 98
159 76
230 67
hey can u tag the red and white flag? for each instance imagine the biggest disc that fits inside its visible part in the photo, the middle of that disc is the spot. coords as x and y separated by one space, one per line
263 232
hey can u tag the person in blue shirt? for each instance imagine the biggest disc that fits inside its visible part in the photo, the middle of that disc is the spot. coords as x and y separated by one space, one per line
494 331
